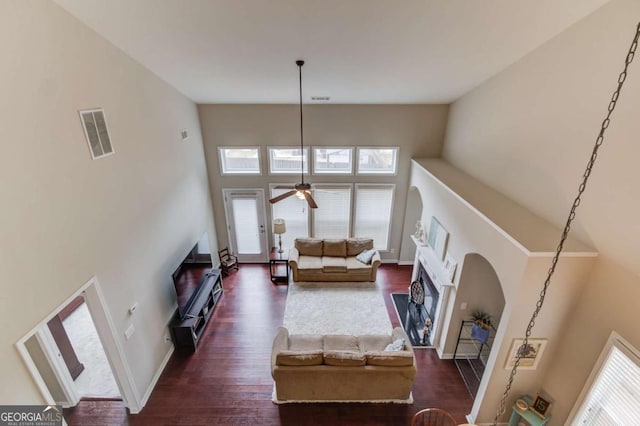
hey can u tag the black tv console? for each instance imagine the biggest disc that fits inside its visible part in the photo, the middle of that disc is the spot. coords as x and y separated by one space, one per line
186 332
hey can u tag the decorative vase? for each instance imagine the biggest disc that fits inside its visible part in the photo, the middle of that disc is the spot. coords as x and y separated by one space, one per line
479 333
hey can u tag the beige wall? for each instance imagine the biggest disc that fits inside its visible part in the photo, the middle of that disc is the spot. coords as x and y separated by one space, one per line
128 218
417 129
528 132
519 273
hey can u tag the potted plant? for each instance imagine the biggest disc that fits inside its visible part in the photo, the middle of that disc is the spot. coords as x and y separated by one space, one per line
481 327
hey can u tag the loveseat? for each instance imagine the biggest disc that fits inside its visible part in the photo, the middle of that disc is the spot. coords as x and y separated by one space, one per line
344 368
332 260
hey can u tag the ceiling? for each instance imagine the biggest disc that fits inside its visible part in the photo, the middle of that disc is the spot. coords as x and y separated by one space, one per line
356 51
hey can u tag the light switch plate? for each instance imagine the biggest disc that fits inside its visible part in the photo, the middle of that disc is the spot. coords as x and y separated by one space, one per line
129 332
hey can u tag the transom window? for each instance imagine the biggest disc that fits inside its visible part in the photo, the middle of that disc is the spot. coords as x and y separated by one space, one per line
377 161
288 160
240 160
336 160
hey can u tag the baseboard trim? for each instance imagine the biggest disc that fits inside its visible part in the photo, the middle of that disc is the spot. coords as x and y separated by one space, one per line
405 262
156 377
388 260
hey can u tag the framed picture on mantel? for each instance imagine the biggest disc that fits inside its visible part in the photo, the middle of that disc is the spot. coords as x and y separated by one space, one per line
438 237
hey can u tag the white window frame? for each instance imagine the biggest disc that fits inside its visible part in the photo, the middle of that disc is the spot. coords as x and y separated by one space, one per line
272 186
355 211
338 172
328 187
305 154
224 172
617 341
394 172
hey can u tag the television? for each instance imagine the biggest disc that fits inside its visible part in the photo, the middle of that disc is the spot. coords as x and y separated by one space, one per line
191 274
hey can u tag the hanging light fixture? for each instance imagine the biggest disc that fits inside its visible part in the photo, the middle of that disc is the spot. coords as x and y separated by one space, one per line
301 190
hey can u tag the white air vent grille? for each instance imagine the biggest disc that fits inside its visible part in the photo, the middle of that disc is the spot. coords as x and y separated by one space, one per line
94 123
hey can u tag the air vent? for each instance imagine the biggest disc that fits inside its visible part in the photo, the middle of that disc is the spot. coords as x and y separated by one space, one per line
321 98
96 132
184 134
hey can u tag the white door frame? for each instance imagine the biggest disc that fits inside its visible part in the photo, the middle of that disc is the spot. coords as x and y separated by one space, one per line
97 306
262 222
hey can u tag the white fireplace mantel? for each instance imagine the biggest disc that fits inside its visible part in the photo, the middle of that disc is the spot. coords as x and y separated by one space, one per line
438 275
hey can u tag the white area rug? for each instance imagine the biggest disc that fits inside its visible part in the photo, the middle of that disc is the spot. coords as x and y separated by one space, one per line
336 308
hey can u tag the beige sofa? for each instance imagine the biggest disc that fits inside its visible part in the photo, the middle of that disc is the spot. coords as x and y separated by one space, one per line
332 260
331 368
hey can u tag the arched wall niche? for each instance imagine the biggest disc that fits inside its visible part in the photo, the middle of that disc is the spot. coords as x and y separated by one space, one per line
479 288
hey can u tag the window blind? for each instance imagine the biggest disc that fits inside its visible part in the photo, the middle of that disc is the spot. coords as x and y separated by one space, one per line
295 213
373 213
614 397
331 218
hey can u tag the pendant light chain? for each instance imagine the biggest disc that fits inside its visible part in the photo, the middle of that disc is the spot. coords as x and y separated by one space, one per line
570 218
300 64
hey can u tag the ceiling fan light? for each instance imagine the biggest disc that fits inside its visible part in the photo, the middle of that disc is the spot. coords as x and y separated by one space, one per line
300 195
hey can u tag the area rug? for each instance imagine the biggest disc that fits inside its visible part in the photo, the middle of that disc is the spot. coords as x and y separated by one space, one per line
336 308
414 331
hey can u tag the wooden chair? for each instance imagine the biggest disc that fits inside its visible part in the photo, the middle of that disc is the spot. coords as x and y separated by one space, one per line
228 261
433 417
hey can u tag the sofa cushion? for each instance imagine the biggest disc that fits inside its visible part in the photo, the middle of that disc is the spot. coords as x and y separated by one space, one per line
373 342
297 358
306 342
334 264
354 264
389 359
344 358
355 246
341 342
309 246
366 256
310 262
335 248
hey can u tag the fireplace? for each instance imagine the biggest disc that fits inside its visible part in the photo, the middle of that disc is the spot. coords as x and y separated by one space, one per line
431 294
434 280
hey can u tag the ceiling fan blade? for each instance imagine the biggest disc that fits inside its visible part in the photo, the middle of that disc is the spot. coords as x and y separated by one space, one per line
310 200
282 196
283 187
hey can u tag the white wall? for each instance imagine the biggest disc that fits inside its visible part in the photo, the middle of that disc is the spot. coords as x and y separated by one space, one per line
128 218
529 131
417 129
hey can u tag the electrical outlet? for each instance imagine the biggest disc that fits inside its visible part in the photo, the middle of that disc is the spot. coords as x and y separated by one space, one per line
463 306
393 250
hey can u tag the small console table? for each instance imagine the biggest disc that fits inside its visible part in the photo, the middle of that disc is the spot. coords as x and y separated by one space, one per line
187 332
277 263
532 418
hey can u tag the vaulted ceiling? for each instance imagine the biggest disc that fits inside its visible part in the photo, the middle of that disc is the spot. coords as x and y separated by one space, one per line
356 51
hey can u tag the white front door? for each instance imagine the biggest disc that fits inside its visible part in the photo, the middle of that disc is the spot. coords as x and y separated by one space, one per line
246 222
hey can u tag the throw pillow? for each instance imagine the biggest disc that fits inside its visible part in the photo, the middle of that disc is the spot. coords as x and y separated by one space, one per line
366 256
396 346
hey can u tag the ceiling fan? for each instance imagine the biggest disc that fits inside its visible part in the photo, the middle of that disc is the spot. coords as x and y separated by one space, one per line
301 190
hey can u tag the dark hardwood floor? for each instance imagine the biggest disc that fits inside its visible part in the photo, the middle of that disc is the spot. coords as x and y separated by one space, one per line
228 381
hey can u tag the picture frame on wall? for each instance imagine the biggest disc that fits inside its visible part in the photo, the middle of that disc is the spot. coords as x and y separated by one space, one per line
438 237
450 265
531 354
